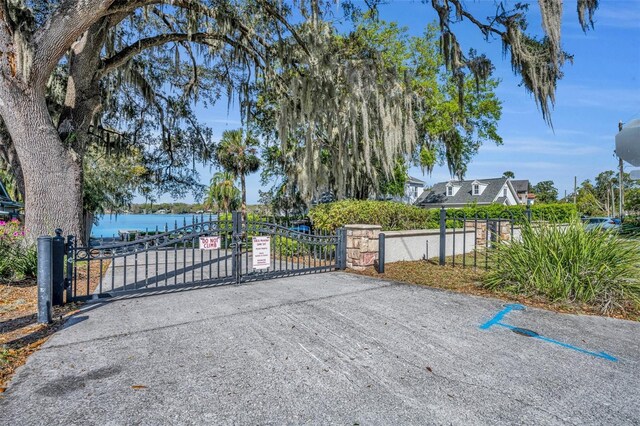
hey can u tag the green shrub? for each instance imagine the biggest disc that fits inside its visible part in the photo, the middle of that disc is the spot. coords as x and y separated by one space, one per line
289 247
568 263
17 259
554 213
394 216
390 215
25 263
631 227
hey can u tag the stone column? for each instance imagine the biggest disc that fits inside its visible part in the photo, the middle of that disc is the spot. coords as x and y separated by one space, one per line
492 233
362 245
505 231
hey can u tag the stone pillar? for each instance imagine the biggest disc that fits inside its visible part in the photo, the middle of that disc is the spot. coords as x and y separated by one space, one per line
362 245
480 230
492 233
505 231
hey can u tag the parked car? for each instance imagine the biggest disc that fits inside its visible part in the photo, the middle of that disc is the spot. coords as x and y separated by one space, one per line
606 223
305 229
302 226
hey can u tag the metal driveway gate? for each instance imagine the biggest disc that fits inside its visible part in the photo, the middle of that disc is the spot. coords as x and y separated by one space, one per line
205 253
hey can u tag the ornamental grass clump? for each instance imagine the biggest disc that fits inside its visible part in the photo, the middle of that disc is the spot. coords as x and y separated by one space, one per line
17 259
569 263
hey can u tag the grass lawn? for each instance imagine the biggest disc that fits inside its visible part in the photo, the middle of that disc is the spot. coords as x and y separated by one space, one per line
469 281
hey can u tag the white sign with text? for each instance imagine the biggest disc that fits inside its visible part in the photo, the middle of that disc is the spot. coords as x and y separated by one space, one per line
209 243
261 252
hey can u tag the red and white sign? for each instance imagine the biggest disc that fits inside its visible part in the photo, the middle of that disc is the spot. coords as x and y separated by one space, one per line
209 243
261 252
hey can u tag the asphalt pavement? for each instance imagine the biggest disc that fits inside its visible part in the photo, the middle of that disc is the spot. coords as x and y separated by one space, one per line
330 348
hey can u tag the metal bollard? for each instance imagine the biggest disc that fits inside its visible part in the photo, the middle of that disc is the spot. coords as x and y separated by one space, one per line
443 236
44 279
57 255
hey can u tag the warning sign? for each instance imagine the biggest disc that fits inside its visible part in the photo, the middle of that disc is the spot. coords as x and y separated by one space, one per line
261 252
209 243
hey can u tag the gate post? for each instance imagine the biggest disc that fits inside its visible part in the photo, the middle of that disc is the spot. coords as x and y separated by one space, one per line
57 254
44 279
443 235
69 279
381 253
236 255
342 249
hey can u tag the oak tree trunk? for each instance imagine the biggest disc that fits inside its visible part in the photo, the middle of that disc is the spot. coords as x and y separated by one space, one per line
52 173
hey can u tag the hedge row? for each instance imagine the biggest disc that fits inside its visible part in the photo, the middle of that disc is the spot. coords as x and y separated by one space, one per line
394 216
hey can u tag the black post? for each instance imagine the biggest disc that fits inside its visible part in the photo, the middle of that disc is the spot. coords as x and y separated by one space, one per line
70 258
341 248
443 234
44 279
57 253
528 212
236 256
381 253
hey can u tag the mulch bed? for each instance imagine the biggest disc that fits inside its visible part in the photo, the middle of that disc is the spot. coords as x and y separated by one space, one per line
20 334
469 281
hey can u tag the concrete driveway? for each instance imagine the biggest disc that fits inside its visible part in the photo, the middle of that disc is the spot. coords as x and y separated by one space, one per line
327 349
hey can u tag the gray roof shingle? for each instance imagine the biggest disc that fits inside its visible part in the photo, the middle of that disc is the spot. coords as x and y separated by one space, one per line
415 181
437 196
521 185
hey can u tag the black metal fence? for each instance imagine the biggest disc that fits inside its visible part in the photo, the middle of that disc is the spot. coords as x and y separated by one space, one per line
210 251
466 239
472 237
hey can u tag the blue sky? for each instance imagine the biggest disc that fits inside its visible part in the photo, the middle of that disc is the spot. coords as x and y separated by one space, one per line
601 88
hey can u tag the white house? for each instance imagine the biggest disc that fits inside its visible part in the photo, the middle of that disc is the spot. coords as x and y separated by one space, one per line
412 190
460 193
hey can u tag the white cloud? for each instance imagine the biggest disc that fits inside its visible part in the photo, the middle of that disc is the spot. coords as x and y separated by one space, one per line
222 121
510 165
542 146
604 98
619 16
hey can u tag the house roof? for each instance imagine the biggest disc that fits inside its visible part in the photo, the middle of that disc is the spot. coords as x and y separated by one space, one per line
437 196
415 181
521 185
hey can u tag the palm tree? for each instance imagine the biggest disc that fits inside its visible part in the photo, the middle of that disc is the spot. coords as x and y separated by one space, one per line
222 192
237 154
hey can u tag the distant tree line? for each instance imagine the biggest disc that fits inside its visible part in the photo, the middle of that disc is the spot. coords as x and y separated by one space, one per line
600 196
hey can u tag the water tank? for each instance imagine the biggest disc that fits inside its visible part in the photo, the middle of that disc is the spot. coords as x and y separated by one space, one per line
628 143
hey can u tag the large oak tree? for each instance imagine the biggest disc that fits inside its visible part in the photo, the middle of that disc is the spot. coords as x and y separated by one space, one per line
96 42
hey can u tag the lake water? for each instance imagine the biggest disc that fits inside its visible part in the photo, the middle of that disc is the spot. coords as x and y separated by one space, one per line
109 225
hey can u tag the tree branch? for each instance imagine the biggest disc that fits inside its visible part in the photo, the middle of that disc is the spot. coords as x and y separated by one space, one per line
443 12
289 27
66 24
132 50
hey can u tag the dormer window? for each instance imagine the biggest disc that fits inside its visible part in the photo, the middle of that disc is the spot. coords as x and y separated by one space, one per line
504 191
476 189
449 191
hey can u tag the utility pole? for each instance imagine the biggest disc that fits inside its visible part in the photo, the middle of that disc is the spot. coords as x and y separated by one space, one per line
613 199
621 184
575 188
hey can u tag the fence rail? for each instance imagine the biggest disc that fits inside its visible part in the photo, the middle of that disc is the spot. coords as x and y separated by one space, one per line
462 239
207 252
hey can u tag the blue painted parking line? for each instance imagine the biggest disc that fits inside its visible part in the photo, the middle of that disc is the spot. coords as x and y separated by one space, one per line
496 320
